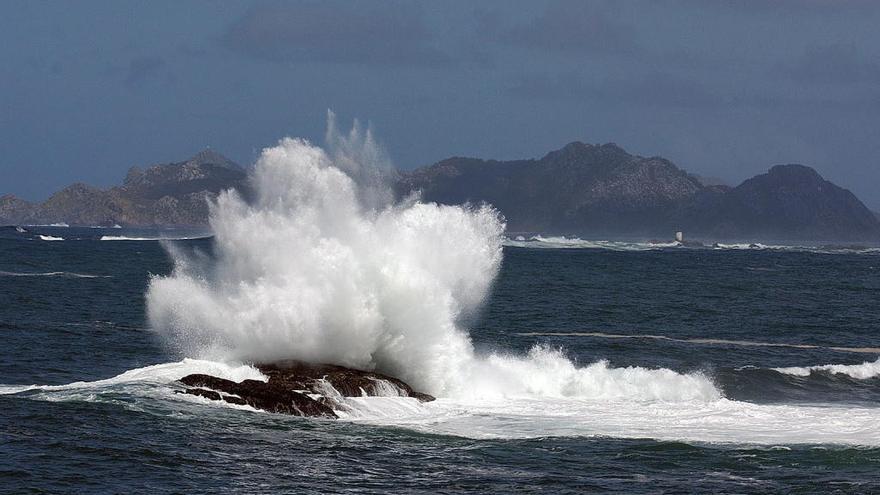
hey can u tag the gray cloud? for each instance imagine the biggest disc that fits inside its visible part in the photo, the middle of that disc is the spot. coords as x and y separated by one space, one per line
649 90
576 27
833 64
142 68
386 34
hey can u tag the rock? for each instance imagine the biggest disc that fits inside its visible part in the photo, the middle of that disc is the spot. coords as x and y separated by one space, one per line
300 389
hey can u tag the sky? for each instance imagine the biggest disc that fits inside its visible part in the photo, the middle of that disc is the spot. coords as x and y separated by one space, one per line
723 89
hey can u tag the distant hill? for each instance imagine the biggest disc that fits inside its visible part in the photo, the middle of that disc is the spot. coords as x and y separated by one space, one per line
603 191
581 189
174 194
788 202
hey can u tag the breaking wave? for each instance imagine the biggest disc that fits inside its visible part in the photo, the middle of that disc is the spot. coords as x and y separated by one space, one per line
51 274
159 374
50 238
864 371
322 265
563 242
127 238
596 400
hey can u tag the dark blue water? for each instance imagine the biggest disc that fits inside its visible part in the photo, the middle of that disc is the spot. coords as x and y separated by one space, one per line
73 310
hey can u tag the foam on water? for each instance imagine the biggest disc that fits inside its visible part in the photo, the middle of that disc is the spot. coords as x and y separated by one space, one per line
128 238
50 274
49 238
562 242
717 421
591 401
159 374
862 371
323 266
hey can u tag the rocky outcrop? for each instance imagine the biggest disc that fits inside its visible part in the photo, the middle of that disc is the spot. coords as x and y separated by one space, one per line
581 189
16 210
300 389
603 191
788 202
173 194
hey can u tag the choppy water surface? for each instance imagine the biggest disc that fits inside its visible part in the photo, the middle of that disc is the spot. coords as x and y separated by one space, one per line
663 369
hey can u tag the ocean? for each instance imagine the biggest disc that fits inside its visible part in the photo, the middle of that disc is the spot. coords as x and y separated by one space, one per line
624 367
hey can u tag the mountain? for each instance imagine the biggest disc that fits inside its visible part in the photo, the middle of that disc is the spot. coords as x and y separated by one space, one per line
581 189
173 194
788 202
603 191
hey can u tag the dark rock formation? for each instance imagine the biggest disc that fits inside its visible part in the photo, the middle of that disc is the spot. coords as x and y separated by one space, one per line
175 194
300 389
603 191
581 188
790 202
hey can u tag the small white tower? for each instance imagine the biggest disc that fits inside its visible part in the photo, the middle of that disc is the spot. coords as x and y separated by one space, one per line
679 236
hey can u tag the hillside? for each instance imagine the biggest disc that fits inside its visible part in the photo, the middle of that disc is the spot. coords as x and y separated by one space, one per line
173 194
580 189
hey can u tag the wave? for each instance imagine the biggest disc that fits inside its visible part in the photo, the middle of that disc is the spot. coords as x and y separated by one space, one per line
59 224
49 238
323 266
660 404
562 242
862 371
159 374
51 274
701 340
127 238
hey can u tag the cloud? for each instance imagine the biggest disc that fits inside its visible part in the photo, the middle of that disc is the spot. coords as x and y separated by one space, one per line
142 68
387 34
783 7
650 90
576 27
833 64
665 90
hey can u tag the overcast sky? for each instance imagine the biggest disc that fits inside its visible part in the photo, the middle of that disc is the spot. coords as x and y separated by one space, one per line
723 89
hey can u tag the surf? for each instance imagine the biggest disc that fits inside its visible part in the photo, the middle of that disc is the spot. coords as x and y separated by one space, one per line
323 264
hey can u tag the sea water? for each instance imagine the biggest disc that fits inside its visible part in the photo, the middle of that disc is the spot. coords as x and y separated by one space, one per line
559 364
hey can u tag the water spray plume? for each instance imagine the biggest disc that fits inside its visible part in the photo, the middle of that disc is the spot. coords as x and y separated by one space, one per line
323 266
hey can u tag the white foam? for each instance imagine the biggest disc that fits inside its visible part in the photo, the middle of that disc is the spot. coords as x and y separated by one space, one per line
322 267
60 224
128 238
50 238
564 401
158 374
562 242
858 371
718 421
50 274
319 269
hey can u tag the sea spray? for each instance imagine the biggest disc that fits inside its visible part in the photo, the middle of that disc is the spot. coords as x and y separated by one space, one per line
322 265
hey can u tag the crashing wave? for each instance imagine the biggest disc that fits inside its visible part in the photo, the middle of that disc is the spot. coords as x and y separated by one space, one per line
562 242
864 371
